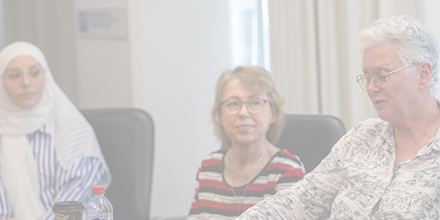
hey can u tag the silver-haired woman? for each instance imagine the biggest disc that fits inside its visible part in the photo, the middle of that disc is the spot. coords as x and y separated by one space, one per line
385 168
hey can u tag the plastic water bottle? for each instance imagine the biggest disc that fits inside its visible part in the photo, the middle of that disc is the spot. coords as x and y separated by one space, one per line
99 207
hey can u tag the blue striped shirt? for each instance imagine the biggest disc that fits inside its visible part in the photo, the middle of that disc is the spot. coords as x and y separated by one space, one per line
56 183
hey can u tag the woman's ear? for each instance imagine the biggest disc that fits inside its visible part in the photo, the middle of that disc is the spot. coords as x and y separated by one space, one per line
273 116
425 74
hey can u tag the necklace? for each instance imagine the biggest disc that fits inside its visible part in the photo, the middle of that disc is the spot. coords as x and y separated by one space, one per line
239 201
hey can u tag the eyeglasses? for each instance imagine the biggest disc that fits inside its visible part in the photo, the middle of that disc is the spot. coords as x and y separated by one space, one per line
379 79
15 74
254 104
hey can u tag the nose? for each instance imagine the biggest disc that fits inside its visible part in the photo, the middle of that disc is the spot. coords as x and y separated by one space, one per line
372 87
244 111
26 80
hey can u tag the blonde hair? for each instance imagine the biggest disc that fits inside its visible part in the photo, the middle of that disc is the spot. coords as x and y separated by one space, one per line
258 80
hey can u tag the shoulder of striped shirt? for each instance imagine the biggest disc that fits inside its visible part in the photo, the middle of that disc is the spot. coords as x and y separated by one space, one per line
217 155
284 156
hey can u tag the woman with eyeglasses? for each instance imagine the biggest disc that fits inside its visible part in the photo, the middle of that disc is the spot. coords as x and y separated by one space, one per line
248 120
48 151
387 167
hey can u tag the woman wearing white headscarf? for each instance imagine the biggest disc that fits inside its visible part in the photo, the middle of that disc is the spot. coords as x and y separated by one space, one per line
48 150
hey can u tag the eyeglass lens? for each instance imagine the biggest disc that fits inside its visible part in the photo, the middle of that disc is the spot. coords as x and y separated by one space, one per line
379 79
255 105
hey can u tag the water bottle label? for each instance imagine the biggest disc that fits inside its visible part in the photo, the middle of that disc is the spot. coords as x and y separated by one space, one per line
97 217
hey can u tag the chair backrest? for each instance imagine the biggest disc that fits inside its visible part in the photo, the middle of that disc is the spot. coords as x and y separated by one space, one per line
310 136
126 137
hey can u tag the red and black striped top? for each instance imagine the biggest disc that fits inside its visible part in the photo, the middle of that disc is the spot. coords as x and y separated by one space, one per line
214 198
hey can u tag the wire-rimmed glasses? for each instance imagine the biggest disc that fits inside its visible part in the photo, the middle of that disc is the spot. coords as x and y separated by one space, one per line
380 79
254 104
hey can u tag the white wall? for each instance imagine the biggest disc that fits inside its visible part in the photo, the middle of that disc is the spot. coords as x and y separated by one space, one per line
168 66
104 76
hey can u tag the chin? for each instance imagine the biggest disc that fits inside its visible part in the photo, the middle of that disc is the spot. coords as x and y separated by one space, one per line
385 117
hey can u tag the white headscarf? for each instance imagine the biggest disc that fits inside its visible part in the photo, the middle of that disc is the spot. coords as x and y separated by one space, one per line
73 137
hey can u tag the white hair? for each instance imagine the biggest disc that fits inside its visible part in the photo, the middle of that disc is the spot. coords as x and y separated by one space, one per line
414 42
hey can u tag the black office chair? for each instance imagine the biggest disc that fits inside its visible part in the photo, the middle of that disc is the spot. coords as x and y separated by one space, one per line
310 136
126 137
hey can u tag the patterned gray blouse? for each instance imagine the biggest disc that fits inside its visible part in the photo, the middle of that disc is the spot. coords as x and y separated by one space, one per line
357 180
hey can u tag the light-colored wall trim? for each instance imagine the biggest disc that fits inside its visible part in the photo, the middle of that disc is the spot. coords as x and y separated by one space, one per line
2 25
